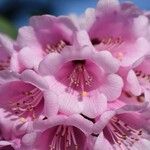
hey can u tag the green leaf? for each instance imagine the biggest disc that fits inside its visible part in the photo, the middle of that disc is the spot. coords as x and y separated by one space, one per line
7 28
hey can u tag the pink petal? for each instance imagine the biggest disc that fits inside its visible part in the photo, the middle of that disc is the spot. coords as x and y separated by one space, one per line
81 123
82 39
7 121
15 64
142 144
141 24
26 38
107 5
112 87
29 58
7 44
29 139
50 104
94 105
52 22
140 49
69 103
103 121
32 77
133 83
42 125
131 108
8 76
51 64
105 60
5 143
101 141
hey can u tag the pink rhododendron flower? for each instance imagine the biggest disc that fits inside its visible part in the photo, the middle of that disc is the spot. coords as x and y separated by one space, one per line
48 33
85 74
119 28
59 132
25 97
123 128
77 82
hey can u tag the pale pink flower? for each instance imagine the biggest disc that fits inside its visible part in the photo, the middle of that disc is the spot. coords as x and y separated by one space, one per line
83 78
6 51
121 29
59 132
23 95
123 128
45 34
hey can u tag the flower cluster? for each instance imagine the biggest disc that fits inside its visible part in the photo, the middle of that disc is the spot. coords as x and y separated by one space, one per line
77 82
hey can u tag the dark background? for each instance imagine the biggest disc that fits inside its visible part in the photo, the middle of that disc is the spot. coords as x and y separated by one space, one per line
15 13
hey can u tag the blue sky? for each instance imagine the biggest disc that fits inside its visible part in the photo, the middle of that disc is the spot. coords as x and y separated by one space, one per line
24 8
78 6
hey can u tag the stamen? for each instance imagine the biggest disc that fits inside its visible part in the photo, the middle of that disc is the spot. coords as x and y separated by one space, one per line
108 41
65 137
142 76
80 78
122 134
55 48
140 98
26 102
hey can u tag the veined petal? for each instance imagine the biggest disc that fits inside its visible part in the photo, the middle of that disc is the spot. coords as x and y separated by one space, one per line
80 122
29 58
27 38
133 83
51 64
29 139
69 104
112 87
101 141
32 77
94 105
51 105
131 108
42 125
107 5
105 60
103 121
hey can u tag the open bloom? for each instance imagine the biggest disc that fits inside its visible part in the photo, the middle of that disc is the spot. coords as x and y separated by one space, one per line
59 132
45 34
119 28
123 128
23 94
82 75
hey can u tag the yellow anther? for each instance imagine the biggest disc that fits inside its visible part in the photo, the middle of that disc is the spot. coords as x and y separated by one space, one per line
84 93
23 120
120 55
